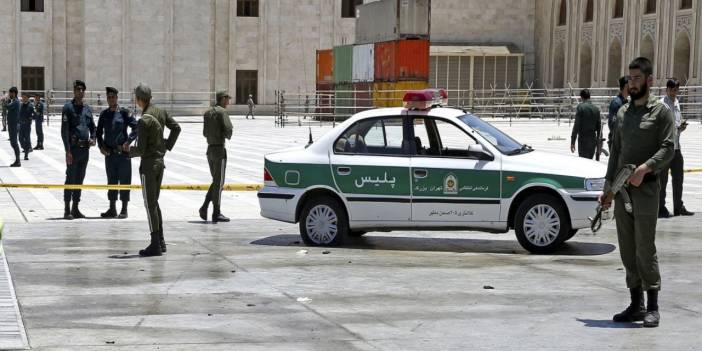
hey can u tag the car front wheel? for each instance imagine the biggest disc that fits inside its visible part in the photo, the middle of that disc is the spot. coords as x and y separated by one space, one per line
323 222
541 224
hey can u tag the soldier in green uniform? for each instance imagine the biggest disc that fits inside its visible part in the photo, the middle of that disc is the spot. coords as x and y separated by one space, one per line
217 127
587 127
644 136
151 147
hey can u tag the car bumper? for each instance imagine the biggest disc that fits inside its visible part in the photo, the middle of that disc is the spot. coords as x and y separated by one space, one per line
279 203
581 205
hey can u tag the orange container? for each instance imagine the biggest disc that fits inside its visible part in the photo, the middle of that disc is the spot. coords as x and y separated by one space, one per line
325 66
398 60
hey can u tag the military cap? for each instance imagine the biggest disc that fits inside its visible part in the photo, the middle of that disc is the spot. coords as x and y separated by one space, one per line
221 94
79 83
142 91
111 90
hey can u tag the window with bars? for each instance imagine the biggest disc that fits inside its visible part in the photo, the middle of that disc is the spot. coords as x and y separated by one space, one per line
563 13
650 6
348 8
32 6
247 8
33 78
618 9
246 84
685 4
589 9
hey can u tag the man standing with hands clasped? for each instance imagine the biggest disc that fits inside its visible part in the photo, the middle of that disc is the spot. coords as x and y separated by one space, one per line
644 136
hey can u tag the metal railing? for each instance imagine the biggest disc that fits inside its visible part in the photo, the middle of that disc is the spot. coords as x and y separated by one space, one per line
508 104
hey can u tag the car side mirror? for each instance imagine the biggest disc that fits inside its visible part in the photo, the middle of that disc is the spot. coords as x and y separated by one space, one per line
477 150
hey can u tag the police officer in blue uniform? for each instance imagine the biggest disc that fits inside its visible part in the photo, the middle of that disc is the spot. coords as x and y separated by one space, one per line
111 136
26 117
38 121
78 134
13 108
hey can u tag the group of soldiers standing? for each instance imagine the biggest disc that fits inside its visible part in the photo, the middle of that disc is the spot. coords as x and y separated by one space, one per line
116 130
17 119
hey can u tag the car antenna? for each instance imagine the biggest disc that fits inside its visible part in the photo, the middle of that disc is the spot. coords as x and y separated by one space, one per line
310 141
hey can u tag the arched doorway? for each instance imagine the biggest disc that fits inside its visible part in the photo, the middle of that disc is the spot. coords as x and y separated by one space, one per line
647 49
681 58
559 67
614 64
585 76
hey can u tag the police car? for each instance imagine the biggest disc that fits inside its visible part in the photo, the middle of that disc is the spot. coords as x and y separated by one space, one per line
427 167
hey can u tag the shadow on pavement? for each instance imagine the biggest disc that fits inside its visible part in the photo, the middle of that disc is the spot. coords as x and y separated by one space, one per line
444 245
608 323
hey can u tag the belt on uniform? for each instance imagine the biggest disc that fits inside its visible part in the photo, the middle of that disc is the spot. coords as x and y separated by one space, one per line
82 143
215 145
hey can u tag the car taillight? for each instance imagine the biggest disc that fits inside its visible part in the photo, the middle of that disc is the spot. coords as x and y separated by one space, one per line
267 176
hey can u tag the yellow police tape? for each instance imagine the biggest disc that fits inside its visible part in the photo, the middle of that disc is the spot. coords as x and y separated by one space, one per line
202 187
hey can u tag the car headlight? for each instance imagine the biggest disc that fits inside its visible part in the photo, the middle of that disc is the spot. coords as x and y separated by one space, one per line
594 184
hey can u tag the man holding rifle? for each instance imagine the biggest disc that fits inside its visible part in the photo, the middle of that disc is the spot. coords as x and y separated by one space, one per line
644 137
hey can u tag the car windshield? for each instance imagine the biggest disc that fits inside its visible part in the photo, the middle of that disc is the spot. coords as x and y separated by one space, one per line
494 136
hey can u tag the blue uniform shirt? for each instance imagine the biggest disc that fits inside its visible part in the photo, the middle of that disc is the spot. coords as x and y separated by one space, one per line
39 116
26 113
76 124
112 128
13 112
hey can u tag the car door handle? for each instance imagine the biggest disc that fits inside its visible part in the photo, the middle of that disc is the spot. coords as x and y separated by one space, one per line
420 173
343 171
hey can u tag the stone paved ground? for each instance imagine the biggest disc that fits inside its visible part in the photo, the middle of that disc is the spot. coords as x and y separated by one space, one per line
250 285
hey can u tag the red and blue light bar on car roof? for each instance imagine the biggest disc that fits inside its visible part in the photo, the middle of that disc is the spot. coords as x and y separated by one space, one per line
425 99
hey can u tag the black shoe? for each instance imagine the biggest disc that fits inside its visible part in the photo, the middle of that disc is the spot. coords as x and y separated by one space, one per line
39 147
683 212
26 156
111 213
16 164
219 218
203 213
154 248
161 241
636 310
663 213
123 214
75 212
67 216
652 319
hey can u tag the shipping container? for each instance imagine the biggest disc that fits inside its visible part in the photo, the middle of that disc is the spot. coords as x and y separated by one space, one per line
325 66
324 98
390 94
363 63
343 64
402 60
388 20
363 94
344 99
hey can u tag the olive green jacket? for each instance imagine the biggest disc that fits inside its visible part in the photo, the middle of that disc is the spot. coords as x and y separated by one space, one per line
217 126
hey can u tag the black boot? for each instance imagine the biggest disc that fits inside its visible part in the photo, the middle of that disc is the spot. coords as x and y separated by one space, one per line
67 211
26 156
636 310
205 206
161 241
75 212
219 217
123 214
112 212
17 163
40 146
683 212
652 318
154 248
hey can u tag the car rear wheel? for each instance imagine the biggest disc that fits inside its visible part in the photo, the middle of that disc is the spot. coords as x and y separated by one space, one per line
541 224
323 222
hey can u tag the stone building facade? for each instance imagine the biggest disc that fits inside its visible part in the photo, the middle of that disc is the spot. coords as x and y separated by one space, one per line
199 46
589 43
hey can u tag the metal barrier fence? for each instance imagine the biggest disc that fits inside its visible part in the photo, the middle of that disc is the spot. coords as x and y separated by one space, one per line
511 104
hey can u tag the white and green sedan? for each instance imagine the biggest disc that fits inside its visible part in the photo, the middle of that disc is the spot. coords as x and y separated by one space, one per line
432 169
